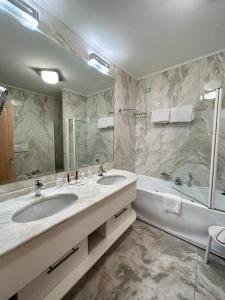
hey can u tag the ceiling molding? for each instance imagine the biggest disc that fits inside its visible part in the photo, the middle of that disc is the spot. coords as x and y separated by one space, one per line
181 64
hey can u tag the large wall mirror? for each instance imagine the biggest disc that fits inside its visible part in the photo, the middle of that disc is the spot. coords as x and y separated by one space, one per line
45 128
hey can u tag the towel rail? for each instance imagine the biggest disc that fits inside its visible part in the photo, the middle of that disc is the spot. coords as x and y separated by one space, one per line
133 113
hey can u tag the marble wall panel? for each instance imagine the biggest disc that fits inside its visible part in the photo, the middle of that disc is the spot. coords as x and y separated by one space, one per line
99 141
124 131
36 123
178 149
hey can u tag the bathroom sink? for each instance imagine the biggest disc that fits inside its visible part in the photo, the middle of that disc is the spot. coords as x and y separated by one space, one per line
108 180
45 207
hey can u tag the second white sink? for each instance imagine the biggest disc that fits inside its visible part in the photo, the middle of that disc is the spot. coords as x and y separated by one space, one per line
45 207
111 179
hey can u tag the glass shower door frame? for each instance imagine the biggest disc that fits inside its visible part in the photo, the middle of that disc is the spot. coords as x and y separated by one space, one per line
215 144
71 154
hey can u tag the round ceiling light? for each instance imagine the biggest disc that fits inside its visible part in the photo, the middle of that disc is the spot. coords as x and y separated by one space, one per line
51 77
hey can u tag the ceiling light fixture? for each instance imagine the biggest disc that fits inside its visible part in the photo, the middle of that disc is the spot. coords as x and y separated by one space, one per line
50 77
98 63
22 12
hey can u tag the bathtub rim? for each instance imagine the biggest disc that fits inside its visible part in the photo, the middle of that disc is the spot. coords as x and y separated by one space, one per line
160 194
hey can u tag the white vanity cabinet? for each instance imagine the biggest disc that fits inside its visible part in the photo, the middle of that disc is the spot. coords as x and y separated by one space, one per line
50 278
49 265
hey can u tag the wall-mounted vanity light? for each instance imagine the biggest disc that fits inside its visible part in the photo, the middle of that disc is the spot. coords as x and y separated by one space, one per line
22 12
210 95
211 90
50 76
98 63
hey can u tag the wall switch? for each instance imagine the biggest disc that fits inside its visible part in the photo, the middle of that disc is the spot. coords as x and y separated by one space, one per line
23 147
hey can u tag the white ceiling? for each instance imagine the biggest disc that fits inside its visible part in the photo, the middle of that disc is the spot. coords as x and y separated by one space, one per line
21 49
145 36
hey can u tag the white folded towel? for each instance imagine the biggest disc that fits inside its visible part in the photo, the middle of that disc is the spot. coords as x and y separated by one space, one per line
105 122
110 122
182 114
102 123
161 116
172 203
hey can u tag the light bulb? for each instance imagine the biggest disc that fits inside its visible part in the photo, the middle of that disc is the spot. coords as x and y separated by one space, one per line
51 77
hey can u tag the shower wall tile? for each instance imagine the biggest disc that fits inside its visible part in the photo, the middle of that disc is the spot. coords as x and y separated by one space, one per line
35 119
124 131
99 141
178 149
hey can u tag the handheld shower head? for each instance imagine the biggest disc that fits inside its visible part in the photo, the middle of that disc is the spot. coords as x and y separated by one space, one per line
3 97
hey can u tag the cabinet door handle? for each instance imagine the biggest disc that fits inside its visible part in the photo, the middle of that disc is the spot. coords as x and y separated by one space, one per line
60 261
120 212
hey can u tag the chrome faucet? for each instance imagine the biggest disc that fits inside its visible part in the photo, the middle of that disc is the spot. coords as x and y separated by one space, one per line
177 181
165 176
190 179
38 187
101 170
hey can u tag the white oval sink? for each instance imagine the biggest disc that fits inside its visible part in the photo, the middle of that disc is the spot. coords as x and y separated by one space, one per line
112 179
44 208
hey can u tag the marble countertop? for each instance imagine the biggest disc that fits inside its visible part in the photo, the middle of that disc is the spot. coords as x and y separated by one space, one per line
15 234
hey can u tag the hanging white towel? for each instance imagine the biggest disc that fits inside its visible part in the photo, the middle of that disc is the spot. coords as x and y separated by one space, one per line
182 114
172 203
160 116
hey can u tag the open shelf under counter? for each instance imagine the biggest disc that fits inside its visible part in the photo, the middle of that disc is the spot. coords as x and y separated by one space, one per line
98 245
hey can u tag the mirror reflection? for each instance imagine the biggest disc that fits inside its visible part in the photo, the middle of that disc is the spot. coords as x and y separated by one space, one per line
56 110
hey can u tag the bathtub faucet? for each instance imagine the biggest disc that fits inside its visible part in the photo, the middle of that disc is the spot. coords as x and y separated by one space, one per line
165 176
177 181
189 184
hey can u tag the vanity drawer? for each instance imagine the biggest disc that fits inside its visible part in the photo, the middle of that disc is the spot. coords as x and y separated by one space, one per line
48 280
117 219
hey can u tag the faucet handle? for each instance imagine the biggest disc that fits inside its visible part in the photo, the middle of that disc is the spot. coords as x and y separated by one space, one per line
38 183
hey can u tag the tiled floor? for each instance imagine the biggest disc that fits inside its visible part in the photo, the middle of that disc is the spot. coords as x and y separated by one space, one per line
149 264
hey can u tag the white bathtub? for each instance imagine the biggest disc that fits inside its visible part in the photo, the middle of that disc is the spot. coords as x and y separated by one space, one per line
192 223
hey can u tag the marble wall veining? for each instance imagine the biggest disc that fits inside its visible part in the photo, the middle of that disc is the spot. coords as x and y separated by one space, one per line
124 133
178 149
99 141
91 143
36 123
